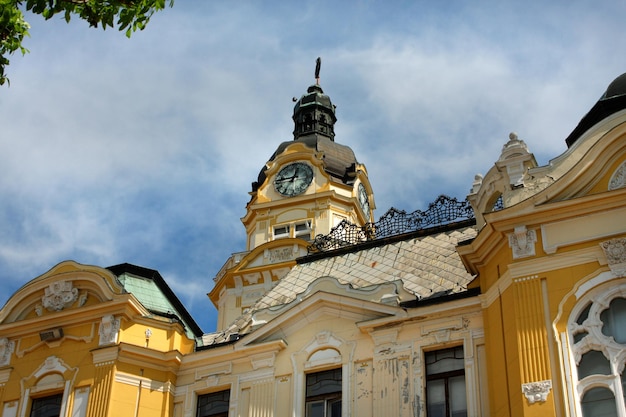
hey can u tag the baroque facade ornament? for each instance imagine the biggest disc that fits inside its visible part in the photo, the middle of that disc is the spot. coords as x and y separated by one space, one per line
109 330
522 242
615 252
537 391
59 295
618 179
6 349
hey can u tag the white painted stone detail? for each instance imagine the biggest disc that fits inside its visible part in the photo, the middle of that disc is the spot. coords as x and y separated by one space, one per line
522 242
109 330
281 254
59 295
6 349
618 179
512 157
615 252
537 391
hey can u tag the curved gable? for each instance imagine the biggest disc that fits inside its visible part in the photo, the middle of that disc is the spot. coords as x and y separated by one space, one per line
595 164
68 285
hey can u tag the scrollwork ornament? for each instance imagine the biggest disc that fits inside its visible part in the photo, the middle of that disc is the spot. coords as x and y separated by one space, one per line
59 295
618 179
109 330
537 391
522 242
615 252
6 349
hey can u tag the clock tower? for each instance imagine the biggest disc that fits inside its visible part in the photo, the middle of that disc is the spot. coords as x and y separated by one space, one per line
308 186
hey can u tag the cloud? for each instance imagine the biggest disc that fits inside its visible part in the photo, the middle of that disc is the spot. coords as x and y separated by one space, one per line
143 150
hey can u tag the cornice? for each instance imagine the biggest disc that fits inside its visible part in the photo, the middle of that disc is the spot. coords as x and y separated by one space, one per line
142 356
492 237
557 261
422 314
217 356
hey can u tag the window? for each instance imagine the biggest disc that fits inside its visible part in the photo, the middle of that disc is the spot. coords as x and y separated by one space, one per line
281 231
303 230
49 406
445 383
598 339
214 404
323 394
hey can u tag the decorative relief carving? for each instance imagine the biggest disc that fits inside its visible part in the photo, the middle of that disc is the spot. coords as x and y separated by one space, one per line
615 252
82 299
522 242
537 391
109 330
51 364
322 338
263 361
6 349
618 179
281 254
59 295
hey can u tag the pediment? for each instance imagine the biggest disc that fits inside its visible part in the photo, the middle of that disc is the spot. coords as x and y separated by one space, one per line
275 252
325 302
66 286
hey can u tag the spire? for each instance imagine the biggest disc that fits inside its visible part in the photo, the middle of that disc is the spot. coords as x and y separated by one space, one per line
314 114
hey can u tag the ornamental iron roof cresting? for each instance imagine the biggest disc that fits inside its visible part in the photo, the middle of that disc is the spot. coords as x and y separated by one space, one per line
444 210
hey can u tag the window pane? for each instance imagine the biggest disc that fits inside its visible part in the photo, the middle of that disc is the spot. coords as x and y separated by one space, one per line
579 336
614 318
335 408
444 360
214 404
315 409
436 398
325 382
458 398
593 362
624 385
46 406
583 314
599 402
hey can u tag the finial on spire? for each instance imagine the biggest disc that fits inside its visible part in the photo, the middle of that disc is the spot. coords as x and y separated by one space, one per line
318 65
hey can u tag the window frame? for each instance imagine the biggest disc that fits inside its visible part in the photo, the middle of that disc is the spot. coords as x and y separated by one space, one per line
584 334
446 376
49 395
329 398
224 393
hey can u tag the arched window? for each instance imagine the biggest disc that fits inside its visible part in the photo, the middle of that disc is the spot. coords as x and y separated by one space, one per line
598 402
597 331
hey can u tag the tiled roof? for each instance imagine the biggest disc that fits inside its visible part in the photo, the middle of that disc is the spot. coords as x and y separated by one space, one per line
149 287
426 265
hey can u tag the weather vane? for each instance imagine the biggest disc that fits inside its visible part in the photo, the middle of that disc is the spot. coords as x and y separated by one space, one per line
318 65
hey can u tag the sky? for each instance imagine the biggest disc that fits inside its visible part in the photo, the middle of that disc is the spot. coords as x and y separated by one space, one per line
143 150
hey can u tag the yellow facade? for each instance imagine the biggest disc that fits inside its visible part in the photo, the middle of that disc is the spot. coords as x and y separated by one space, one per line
518 310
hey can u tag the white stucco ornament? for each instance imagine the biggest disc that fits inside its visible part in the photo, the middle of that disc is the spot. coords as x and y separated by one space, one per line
6 349
522 242
109 330
618 179
537 391
615 252
59 295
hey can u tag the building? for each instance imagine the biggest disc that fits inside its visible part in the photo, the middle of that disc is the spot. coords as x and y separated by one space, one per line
510 303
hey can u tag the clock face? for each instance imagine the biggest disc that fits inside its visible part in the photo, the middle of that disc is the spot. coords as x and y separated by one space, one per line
364 201
293 179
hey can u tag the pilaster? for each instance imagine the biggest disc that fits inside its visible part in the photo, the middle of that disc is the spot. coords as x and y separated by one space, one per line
100 396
